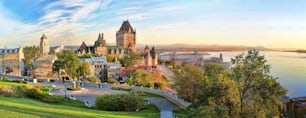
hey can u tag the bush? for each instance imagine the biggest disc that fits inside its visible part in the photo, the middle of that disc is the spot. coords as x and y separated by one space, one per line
113 81
19 81
5 79
120 102
6 91
159 85
94 79
120 88
34 93
51 99
70 88
139 93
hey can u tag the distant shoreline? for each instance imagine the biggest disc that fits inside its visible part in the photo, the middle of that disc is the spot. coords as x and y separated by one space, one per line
297 51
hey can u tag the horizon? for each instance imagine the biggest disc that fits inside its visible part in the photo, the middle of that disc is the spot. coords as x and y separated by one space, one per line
271 24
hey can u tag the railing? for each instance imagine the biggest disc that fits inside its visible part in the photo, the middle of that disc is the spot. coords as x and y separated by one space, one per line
168 95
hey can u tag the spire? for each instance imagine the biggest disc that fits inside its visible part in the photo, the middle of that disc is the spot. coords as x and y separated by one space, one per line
99 36
102 35
147 47
44 36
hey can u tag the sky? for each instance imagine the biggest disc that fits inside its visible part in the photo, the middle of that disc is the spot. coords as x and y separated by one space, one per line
269 23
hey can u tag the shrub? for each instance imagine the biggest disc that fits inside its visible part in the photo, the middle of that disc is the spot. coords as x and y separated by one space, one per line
12 91
51 99
6 91
70 88
5 79
19 81
113 81
120 102
159 85
120 88
34 93
139 93
94 79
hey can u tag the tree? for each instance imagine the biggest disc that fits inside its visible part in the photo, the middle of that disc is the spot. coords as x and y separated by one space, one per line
188 83
259 92
141 78
69 62
130 60
84 69
30 52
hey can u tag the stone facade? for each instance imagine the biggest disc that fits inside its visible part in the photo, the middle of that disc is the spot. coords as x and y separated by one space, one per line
44 45
149 57
12 61
126 36
100 49
42 66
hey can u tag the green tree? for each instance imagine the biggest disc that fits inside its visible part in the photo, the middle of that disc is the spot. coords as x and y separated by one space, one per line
130 60
84 69
210 111
259 92
30 52
69 62
141 78
188 83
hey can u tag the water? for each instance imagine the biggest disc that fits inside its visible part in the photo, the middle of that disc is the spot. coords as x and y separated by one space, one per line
289 67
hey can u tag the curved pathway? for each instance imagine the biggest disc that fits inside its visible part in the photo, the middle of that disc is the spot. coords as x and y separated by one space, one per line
166 107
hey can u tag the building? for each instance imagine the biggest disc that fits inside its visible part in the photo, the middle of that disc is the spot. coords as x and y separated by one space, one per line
12 61
208 59
44 45
100 49
126 36
103 69
113 69
149 57
42 66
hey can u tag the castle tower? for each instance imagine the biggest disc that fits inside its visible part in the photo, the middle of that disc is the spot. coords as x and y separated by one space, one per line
126 36
44 45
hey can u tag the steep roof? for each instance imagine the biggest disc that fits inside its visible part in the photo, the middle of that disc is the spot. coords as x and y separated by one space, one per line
126 27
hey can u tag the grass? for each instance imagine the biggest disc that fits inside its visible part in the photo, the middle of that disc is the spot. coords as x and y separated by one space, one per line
151 95
3 82
180 113
24 107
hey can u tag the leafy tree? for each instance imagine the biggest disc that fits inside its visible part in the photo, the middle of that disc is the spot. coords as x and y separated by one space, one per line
211 111
131 59
30 52
259 92
84 69
188 83
103 74
141 78
67 61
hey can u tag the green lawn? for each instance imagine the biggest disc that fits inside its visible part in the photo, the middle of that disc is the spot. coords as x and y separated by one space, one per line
28 108
11 83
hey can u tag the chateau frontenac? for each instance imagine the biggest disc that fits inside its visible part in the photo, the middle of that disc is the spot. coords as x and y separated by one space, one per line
125 41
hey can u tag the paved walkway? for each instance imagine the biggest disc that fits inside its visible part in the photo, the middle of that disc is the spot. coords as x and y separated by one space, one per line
166 107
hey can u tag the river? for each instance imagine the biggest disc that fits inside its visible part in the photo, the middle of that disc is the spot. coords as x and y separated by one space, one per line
289 67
